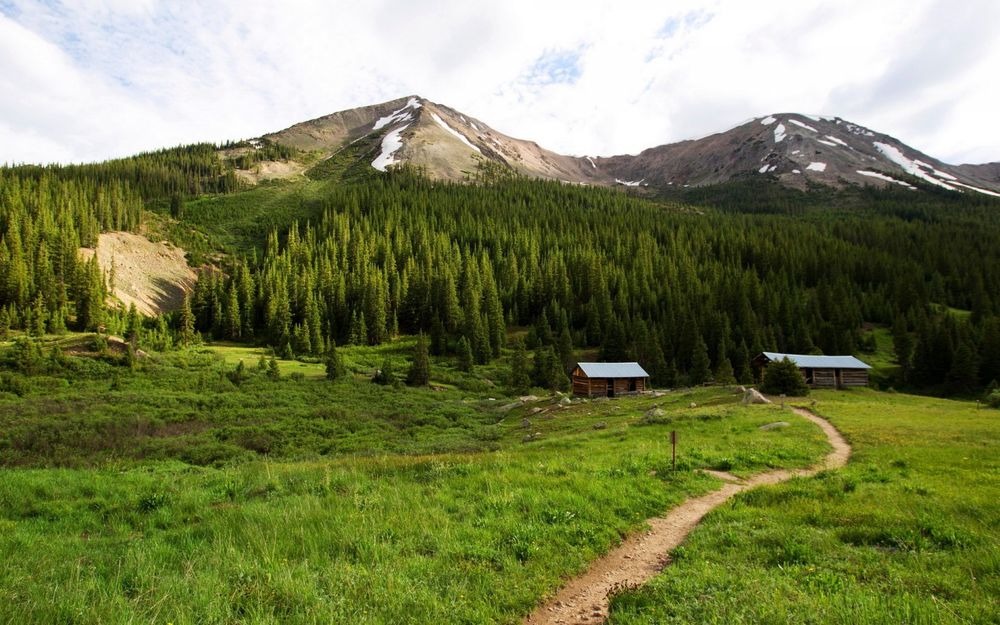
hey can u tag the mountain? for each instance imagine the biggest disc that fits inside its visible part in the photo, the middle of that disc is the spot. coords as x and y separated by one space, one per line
795 149
792 149
444 141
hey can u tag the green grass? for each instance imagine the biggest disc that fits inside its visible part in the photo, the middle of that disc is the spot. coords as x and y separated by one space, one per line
907 533
371 525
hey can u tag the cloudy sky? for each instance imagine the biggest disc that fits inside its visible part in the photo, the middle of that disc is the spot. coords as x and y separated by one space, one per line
90 79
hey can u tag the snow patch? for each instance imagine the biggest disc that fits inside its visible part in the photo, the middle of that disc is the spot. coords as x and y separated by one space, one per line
875 174
767 121
763 169
829 143
629 183
796 171
909 166
816 167
779 133
858 130
459 135
592 162
802 125
969 186
390 143
397 116
836 140
474 126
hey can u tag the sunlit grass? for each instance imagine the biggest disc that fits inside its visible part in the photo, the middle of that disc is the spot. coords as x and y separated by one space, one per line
907 533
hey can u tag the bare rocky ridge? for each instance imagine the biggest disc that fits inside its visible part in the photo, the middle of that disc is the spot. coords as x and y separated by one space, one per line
794 149
789 148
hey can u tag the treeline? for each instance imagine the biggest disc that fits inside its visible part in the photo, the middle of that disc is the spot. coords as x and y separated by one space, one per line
246 154
185 171
48 212
45 285
690 294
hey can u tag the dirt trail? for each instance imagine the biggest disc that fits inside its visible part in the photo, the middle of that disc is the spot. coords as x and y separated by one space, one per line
584 599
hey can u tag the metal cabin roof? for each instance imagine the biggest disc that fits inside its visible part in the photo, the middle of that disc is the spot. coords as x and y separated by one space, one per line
613 369
808 361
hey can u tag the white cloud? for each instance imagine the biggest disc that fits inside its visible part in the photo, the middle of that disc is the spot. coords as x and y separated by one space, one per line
91 79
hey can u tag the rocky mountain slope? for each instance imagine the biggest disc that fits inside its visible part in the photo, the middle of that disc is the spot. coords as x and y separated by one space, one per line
790 148
442 140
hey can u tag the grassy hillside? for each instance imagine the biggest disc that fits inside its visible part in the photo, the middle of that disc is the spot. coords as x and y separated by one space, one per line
907 533
385 538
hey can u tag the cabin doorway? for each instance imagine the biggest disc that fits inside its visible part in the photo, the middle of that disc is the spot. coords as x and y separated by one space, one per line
611 388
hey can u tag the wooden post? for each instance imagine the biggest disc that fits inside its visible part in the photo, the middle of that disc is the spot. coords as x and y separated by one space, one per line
673 446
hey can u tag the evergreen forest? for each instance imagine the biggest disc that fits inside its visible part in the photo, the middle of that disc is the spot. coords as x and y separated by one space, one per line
691 285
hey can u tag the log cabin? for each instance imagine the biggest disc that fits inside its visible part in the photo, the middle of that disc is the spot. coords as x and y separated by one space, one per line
820 371
609 379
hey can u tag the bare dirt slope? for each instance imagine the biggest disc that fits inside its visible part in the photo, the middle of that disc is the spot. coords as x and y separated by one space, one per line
154 276
584 600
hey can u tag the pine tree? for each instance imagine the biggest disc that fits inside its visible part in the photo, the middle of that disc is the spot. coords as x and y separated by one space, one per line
519 379
133 326
186 322
385 375
700 372
234 321
724 367
39 317
566 355
963 377
335 369
744 374
273 372
465 356
420 370
783 377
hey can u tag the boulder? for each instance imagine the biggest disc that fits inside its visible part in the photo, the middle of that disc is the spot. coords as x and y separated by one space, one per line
527 399
565 401
692 405
753 396
656 412
510 406
525 423
600 425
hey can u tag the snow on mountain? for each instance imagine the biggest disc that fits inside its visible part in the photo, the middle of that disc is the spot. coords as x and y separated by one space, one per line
448 144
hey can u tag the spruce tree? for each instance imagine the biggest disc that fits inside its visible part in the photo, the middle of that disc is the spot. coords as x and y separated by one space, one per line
963 377
186 322
420 369
519 379
465 357
783 377
334 363
701 371
565 344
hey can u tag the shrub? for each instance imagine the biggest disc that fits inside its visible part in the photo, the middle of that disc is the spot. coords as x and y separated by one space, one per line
993 399
384 375
784 377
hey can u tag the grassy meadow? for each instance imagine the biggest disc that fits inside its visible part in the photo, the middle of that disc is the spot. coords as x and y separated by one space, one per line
906 533
371 505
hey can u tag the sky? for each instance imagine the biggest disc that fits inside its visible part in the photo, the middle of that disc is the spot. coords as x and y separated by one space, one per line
86 80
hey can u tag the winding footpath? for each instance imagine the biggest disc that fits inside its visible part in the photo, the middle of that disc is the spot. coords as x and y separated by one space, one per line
584 599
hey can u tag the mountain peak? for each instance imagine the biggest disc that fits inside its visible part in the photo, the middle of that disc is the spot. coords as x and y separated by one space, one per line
793 149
